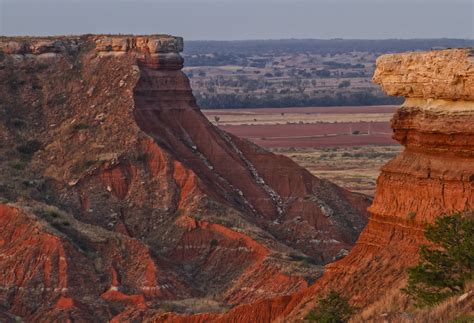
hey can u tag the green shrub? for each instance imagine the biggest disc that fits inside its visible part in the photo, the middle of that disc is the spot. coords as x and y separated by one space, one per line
18 123
344 84
166 307
29 148
79 126
445 267
333 308
41 66
53 214
18 165
89 163
139 156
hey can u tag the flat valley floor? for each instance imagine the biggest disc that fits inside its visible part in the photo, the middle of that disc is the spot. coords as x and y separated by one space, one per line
346 145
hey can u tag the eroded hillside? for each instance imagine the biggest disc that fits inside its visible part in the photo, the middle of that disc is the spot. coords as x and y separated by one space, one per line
120 200
433 176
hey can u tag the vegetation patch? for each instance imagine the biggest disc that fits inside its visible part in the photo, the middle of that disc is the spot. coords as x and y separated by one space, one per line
18 123
464 319
334 308
19 164
29 148
79 126
445 266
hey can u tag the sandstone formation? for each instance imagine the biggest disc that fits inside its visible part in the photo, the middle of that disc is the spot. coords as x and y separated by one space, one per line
433 176
445 74
119 200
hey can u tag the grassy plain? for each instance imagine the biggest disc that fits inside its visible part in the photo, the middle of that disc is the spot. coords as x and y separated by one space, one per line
354 168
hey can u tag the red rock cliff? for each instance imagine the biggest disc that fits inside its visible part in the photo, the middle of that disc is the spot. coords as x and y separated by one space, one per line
121 201
433 176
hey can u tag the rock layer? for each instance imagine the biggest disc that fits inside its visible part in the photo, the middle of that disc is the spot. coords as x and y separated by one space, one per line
122 201
444 74
433 176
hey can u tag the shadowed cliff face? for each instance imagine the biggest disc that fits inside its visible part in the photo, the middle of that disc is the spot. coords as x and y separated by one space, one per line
119 200
433 176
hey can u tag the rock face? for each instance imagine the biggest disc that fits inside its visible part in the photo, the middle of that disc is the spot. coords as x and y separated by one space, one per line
432 177
119 200
446 74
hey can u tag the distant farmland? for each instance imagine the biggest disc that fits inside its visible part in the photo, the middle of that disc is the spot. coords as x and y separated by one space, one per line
309 127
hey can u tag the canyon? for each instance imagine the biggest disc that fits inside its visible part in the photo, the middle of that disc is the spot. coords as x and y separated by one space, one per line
120 201
433 176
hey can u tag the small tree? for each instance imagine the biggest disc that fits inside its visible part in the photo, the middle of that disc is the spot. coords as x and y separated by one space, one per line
333 308
445 267
344 84
217 119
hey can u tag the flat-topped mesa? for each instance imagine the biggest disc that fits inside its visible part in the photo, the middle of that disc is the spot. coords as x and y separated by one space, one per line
139 200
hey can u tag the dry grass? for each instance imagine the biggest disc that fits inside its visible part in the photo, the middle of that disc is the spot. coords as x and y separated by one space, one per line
354 168
194 305
397 307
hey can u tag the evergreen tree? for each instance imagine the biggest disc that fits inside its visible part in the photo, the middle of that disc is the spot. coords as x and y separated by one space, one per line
446 266
333 308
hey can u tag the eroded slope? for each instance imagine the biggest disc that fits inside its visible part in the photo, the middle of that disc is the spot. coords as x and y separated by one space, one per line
433 176
120 200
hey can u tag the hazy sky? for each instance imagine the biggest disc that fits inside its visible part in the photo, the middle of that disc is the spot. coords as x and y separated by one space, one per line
242 19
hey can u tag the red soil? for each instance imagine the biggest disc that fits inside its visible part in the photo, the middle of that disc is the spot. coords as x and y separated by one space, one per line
315 135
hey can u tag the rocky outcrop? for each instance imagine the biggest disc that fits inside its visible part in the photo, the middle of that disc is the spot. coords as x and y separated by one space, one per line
445 74
119 200
433 176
